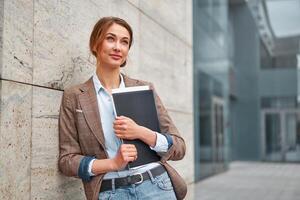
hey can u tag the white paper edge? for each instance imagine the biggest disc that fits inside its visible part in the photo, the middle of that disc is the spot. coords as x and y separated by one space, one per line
130 89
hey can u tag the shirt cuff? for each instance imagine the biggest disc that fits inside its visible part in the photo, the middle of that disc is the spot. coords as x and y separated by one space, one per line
169 139
90 167
161 143
83 168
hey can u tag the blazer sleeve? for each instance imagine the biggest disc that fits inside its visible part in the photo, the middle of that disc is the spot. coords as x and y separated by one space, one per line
177 150
70 154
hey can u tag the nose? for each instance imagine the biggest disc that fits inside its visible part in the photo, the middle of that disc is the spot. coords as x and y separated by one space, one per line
117 46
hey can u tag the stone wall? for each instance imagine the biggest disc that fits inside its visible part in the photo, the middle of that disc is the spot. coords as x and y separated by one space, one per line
44 46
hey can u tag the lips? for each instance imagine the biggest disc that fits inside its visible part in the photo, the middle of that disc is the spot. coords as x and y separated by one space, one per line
115 56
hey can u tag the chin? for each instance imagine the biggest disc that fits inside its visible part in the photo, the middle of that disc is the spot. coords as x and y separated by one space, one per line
115 65
112 64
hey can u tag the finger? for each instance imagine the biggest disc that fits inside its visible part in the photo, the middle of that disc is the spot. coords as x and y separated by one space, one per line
124 127
128 146
129 154
120 127
135 156
124 119
129 159
116 128
118 122
127 119
120 136
118 133
129 149
120 118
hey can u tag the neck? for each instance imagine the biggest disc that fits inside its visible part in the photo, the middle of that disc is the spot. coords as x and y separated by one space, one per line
109 77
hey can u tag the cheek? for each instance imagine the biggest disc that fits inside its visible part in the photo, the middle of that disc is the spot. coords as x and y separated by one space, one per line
104 51
106 46
125 51
102 55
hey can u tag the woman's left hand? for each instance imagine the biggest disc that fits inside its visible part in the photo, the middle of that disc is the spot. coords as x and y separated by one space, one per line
126 128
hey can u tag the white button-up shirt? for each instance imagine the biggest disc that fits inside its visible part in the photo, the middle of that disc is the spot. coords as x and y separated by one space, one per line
112 142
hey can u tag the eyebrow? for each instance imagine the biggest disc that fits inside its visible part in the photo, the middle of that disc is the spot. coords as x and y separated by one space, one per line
116 35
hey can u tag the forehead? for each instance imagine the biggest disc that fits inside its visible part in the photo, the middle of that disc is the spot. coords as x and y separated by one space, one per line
118 30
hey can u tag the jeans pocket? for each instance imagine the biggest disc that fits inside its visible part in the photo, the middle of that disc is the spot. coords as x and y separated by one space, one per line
106 195
163 181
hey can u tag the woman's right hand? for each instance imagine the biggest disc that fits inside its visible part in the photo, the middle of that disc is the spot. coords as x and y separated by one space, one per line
126 153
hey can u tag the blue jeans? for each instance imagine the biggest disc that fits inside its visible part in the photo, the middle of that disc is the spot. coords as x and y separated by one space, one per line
159 187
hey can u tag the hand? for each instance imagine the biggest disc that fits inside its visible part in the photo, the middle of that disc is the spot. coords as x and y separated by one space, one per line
126 128
126 153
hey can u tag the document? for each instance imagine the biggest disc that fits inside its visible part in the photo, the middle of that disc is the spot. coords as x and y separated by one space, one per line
138 104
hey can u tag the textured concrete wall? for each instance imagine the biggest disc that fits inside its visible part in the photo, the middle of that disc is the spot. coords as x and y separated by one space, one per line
44 47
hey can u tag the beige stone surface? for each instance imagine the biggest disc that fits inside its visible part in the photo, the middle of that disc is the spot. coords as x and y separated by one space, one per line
46 180
15 140
164 61
46 43
189 22
17 40
190 192
1 33
134 2
185 125
61 39
171 15
58 43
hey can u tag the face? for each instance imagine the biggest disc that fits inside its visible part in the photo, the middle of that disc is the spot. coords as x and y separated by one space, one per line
114 49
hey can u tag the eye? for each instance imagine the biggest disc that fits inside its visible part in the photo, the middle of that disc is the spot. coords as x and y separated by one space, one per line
109 38
125 42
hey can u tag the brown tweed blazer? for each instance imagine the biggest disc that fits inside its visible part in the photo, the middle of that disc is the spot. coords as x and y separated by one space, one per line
81 134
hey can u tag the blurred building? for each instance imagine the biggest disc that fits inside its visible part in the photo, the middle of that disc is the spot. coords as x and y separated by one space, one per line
246 82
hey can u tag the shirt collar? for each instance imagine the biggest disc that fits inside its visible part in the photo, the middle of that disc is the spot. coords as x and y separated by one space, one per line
99 86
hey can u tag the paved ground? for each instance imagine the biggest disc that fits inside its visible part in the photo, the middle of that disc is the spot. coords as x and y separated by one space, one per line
250 181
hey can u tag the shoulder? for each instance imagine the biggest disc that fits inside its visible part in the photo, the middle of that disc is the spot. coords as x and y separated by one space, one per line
71 92
136 82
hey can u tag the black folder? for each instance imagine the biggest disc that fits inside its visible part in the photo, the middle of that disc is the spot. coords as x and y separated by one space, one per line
138 104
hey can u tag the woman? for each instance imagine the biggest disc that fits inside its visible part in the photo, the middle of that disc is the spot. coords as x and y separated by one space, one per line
90 135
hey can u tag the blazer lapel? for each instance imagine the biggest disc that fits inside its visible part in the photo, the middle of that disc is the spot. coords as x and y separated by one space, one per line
129 82
89 105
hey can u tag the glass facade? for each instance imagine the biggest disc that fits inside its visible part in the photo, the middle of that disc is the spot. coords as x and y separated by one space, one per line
211 64
246 84
280 62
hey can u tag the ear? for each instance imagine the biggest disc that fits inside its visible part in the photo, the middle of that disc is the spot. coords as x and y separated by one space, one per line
96 47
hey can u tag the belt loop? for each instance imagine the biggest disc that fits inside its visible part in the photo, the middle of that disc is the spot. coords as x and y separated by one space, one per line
151 176
113 186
